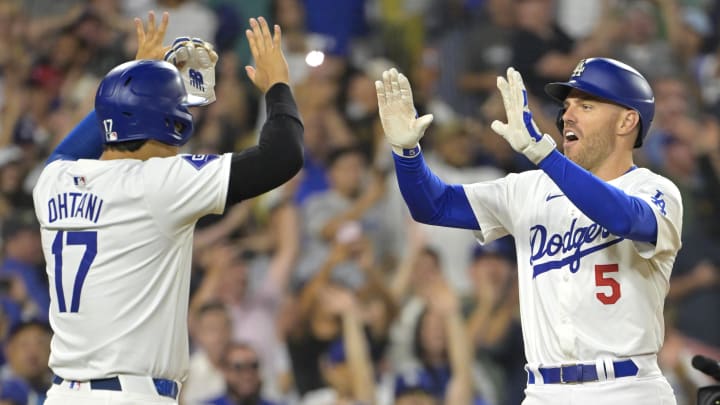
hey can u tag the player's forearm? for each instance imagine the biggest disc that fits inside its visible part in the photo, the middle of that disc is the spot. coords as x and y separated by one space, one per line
83 142
630 217
429 199
279 153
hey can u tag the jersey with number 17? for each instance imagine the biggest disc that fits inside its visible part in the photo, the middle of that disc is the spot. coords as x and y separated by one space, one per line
117 239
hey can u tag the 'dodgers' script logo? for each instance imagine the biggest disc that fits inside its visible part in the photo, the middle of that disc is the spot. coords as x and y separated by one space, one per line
571 242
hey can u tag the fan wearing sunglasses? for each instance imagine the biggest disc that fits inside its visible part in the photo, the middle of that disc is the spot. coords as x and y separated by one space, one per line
241 367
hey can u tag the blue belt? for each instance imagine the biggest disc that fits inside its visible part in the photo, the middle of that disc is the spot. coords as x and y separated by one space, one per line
580 373
166 388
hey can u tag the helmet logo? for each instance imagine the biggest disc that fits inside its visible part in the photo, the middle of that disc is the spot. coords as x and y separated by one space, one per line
110 135
579 68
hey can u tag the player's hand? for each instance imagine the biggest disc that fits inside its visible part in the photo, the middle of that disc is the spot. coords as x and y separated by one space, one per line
520 131
270 64
403 129
195 59
150 42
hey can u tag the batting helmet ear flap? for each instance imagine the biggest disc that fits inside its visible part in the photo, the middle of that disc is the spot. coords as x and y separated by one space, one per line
559 123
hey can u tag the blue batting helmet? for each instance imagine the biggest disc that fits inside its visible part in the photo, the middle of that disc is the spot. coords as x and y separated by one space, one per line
614 81
144 99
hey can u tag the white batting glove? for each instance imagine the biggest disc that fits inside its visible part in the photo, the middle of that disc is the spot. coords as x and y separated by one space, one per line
195 59
403 129
521 131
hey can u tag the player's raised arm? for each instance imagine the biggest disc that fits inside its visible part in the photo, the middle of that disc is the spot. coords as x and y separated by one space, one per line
428 198
279 153
85 141
631 217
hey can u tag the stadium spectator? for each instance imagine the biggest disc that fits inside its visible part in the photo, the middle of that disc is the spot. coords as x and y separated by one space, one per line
241 369
210 329
26 376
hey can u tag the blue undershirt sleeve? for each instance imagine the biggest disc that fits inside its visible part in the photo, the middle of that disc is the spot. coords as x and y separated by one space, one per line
621 214
429 199
83 142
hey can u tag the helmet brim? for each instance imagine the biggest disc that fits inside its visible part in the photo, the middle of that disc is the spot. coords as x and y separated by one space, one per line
558 91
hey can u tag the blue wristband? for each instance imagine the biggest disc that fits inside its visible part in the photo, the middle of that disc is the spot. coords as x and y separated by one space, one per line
411 152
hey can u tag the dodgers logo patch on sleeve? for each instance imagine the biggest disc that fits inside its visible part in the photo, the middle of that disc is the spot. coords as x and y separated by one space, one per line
199 161
658 200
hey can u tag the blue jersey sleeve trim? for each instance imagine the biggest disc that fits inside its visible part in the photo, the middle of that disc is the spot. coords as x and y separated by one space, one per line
429 199
83 142
613 209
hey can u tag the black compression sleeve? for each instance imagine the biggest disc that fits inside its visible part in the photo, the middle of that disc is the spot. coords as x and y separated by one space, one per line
277 157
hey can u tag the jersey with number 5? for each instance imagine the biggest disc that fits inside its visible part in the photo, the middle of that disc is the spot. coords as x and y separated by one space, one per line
117 239
584 292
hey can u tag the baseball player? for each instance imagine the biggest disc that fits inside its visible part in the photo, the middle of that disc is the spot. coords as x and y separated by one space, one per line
117 232
596 236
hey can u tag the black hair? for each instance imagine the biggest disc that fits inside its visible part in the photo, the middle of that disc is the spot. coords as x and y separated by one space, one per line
335 154
420 352
21 326
127 146
21 220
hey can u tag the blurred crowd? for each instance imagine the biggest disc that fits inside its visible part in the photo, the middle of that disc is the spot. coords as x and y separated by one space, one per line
324 291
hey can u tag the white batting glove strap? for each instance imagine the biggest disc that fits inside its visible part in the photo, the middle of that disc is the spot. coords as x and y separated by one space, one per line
403 129
521 132
195 59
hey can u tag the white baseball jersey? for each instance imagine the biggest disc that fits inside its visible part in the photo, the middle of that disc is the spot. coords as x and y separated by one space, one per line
117 238
584 293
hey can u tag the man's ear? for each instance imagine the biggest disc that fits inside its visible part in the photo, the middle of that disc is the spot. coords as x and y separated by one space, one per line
628 121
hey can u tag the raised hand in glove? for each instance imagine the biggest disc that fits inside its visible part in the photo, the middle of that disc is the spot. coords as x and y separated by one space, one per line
403 129
520 131
195 59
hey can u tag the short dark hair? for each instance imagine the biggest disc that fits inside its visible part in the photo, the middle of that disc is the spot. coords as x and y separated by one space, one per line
127 146
335 154
20 220
21 326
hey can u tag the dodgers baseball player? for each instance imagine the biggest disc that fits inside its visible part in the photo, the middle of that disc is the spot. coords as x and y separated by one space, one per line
117 232
596 236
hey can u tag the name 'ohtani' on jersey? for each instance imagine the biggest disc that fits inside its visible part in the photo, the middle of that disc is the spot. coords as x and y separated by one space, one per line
74 205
